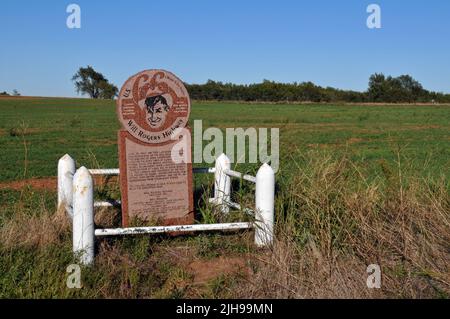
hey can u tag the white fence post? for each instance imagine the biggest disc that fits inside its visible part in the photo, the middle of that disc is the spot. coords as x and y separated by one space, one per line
264 202
83 216
222 183
66 170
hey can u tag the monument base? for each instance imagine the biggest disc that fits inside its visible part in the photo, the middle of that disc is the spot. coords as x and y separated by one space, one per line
154 188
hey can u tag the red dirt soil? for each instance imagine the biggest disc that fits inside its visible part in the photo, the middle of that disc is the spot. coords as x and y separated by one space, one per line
206 270
36 183
45 183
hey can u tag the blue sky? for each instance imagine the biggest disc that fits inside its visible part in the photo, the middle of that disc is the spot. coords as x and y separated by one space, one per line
323 41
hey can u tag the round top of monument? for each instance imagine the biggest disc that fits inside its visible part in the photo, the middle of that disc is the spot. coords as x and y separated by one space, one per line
153 106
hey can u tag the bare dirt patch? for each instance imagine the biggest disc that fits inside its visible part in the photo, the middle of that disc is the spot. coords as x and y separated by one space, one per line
354 140
419 127
48 183
36 183
207 270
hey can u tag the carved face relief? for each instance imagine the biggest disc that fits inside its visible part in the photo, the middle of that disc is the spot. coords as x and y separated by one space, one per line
152 104
157 110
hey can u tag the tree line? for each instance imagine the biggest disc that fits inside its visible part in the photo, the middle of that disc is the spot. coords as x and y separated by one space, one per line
382 89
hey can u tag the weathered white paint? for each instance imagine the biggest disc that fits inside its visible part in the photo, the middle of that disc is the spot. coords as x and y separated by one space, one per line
108 204
105 171
234 205
66 170
116 171
246 177
168 229
222 183
238 207
264 206
76 189
83 216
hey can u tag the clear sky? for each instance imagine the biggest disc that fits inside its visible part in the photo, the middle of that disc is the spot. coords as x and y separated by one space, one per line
246 41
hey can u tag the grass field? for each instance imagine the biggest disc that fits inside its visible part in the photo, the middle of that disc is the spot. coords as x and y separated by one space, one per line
357 185
84 128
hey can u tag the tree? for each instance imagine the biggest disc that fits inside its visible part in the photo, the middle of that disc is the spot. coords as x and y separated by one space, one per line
377 84
400 89
411 87
107 90
88 81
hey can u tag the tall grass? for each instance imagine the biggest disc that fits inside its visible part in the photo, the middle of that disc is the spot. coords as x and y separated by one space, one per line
332 221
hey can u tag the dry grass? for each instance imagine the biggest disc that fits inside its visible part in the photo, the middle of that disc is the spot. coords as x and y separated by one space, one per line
335 223
332 222
36 229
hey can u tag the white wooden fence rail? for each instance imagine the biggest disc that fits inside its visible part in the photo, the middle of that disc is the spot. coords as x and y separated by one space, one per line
76 193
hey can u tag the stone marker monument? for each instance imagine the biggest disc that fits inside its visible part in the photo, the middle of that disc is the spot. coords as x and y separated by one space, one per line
153 107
